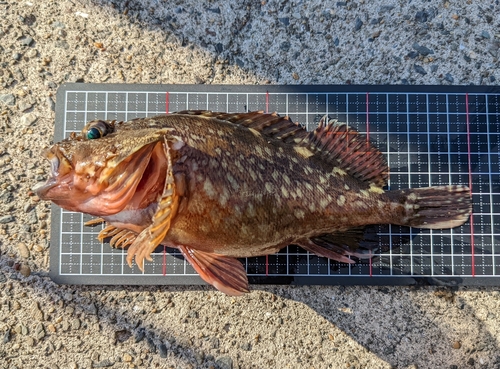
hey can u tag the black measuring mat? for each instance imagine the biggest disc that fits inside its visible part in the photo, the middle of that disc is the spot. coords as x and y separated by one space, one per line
430 135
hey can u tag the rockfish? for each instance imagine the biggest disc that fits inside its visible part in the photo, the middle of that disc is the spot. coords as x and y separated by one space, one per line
222 186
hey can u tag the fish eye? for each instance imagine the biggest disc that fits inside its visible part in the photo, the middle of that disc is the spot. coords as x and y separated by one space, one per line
98 129
93 133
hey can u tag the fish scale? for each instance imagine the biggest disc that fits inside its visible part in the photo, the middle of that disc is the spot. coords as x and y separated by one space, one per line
188 166
245 192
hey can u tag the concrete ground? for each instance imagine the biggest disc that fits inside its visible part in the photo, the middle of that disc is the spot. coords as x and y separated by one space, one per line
45 43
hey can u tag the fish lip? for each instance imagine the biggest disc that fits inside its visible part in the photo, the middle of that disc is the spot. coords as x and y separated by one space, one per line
54 156
42 188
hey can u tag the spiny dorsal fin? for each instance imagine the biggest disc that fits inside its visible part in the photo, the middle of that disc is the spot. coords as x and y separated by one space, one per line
347 149
336 143
270 125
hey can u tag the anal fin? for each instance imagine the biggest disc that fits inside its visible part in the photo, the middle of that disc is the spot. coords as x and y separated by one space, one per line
224 273
333 252
340 246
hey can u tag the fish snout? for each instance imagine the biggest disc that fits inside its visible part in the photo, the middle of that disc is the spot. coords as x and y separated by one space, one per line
59 166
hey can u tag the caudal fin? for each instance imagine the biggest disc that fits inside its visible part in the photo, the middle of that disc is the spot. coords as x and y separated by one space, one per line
436 207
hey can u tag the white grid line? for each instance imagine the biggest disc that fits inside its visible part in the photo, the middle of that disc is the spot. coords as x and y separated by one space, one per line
319 112
449 161
389 182
327 113
491 182
429 177
409 180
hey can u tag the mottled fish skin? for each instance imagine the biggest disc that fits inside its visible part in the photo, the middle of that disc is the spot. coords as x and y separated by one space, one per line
248 195
220 186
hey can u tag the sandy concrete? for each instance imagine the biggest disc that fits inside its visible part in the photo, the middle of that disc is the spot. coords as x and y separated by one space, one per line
45 43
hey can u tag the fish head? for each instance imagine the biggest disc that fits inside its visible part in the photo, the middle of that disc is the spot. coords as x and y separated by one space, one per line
106 168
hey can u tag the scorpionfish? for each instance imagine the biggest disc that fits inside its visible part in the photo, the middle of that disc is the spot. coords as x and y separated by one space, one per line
223 186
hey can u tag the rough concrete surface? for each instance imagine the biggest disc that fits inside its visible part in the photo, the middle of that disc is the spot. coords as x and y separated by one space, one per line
45 43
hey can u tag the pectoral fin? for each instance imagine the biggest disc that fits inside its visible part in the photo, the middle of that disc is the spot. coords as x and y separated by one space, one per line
93 222
140 249
168 203
123 239
119 237
224 273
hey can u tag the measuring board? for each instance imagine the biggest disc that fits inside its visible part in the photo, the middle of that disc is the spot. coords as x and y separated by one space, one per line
430 135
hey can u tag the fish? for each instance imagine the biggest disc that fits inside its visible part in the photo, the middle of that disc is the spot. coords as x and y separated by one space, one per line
222 186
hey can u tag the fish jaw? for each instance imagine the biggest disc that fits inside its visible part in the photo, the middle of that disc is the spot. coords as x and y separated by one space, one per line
59 183
101 188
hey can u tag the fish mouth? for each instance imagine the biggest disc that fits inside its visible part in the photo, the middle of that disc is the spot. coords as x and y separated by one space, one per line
60 167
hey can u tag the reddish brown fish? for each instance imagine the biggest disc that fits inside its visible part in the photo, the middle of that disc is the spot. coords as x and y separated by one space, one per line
222 186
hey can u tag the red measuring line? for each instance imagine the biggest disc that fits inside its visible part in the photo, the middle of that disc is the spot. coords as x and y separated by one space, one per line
367 120
167 103
367 148
164 260
267 111
473 266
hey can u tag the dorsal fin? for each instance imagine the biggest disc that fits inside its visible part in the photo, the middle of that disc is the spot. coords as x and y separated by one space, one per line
347 149
270 125
334 142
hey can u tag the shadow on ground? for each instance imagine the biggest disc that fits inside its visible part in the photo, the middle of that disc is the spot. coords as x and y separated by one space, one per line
391 326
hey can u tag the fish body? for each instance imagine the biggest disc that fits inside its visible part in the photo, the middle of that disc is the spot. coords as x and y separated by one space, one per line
221 186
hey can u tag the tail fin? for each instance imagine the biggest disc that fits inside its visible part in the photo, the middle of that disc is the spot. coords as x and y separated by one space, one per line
436 207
